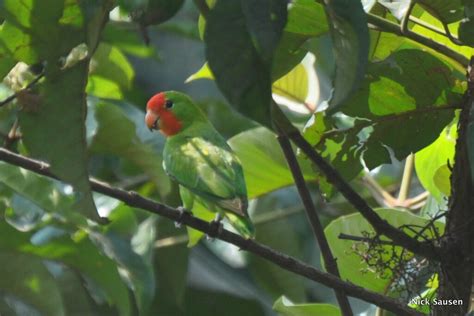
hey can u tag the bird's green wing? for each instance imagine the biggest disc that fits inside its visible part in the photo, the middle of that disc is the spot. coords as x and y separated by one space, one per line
208 168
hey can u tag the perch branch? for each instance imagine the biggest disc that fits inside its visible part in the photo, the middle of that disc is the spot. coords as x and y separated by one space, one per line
318 231
286 262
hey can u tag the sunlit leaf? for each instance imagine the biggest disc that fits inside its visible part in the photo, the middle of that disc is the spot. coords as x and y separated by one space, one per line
435 157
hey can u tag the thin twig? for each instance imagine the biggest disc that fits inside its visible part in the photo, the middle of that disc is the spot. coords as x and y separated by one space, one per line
404 24
406 178
13 96
202 7
286 262
391 27
363 239
361 124
318 231
381 226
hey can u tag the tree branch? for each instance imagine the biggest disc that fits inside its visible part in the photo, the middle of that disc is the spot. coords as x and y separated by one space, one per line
381 226
14 95
388 26
202 7
286 262
318 231
363 123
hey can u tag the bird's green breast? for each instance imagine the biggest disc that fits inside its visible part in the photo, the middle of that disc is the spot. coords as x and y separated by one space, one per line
201 160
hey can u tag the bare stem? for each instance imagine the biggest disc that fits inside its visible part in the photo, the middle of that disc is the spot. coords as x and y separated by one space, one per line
318 231
286 262
406 179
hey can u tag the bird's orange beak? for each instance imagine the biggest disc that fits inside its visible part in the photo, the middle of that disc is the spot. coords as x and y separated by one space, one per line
151 120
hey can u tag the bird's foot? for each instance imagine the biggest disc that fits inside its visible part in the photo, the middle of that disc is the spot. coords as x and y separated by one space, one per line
215 228
182 214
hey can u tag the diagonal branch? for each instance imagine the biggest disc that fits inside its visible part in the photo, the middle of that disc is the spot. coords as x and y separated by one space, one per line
286 262
381 226
329 261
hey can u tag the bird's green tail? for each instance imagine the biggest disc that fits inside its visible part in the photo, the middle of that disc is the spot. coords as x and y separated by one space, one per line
241 224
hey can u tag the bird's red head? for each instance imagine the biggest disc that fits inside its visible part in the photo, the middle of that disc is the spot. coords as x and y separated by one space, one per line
159 115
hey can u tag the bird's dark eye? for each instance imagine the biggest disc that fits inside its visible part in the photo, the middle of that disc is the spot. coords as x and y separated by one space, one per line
169 104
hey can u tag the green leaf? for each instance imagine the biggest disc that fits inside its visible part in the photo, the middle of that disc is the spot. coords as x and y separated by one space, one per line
351 265
117 134
104 88
128 41
391 95
248 31
273 279
203 73
350 35
27 279
447 11
45 31
23 214
66 154
306 17
466 33
435 157
79 253
265 168
286 308
171 265
441 39
41 191
110 63
138 273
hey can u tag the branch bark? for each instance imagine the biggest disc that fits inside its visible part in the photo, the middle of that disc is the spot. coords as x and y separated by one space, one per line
457 266
286 262
318 231
382 227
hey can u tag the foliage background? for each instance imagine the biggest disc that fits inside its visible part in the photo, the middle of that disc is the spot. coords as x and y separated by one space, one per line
54 262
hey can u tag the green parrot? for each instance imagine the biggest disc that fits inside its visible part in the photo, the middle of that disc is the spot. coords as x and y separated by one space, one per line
200 160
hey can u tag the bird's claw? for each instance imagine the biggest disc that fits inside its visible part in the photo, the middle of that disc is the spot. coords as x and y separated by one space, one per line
215 229
182 214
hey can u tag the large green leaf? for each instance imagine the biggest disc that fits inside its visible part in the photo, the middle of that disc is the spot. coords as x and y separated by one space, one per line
443 40
247 31
350 35
110 63
430 160
351 265
273 279
447 11
48 31
79 253
137 272
41 191
27 279
286 308
264 165
389 98
171 266
64 131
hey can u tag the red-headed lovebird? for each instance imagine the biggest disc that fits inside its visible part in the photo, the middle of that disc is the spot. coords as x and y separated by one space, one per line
199 159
